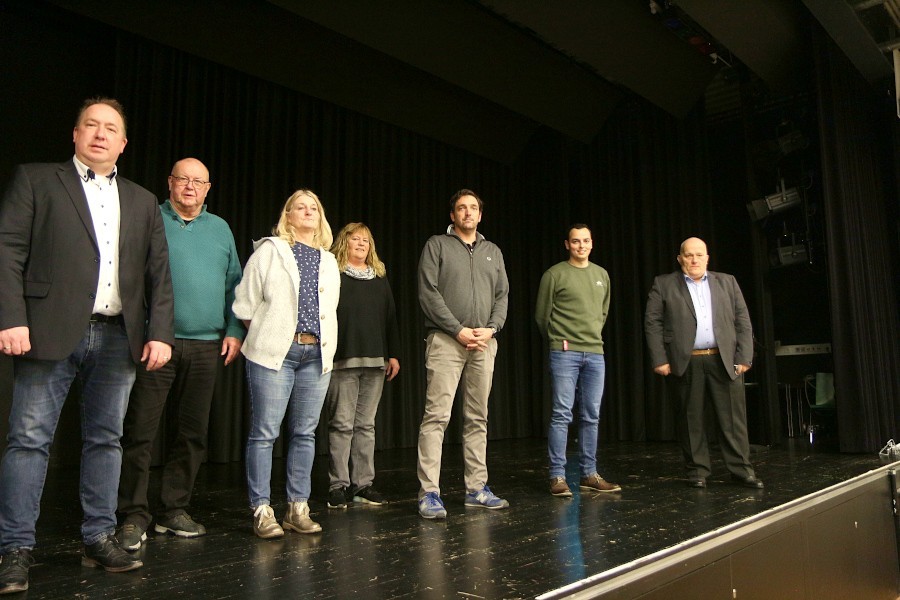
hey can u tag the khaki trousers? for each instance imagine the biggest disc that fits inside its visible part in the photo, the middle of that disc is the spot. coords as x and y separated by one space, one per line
447 365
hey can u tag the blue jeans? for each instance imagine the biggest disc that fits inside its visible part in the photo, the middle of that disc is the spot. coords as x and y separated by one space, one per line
581 374
102 361
298 389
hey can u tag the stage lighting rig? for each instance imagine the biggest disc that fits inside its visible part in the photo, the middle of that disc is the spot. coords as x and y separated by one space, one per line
781 200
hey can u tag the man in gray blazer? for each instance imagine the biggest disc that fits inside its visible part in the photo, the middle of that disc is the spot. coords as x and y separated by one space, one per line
700 338
85 291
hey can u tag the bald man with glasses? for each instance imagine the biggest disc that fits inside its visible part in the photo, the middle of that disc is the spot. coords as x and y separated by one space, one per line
205 270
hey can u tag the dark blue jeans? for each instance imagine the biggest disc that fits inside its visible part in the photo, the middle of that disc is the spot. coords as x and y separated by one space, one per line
103 363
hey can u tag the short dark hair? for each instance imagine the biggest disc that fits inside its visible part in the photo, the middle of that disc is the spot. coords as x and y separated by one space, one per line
577 226
111 102
464 192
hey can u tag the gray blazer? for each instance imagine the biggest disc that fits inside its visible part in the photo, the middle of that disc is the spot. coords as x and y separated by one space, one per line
49 261
670 323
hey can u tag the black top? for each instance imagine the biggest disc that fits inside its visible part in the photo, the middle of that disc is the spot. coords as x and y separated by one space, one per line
367 319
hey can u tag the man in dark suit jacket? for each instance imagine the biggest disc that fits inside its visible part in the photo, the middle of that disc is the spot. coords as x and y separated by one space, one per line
84 281
699 335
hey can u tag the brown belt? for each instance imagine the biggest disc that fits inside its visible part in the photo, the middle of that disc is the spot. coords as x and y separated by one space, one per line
306 339
704 352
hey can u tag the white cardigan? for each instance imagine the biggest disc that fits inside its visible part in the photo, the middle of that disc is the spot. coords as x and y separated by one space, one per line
267 296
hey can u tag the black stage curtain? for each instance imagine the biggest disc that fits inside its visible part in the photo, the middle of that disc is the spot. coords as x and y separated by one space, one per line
640 185
643 186
859 173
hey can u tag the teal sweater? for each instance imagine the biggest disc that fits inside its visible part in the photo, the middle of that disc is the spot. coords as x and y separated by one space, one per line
205 270
572 305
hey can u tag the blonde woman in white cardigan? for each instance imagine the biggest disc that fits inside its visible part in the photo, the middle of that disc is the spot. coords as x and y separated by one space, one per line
288 299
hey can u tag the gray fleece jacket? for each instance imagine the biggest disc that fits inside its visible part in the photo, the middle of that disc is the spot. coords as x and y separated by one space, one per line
461 289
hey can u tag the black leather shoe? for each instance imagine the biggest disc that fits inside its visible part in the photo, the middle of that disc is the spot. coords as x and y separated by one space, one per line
14 571
110 555
750 482
697 482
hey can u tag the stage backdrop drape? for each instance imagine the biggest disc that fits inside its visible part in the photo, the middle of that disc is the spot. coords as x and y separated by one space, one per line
859 172
643 186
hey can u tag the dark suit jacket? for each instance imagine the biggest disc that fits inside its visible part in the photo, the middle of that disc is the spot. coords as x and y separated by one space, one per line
670 322
50 265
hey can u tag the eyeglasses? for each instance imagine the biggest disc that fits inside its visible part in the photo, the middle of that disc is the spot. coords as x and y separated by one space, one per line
184 181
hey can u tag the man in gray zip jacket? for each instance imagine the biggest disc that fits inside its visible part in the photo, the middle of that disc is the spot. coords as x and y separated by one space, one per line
463 291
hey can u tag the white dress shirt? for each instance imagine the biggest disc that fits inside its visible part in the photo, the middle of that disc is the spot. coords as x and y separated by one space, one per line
103 201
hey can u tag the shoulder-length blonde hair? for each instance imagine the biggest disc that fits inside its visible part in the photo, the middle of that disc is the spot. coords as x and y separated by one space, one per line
341 251
322 238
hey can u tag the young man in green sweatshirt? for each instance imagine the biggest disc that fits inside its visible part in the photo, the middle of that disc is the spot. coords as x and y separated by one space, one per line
572 304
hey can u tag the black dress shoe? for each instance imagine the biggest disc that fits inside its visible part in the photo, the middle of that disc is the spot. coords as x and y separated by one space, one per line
697 482
110 555
750 482
14 571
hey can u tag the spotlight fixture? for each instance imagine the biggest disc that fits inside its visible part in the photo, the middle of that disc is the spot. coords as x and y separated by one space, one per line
781 200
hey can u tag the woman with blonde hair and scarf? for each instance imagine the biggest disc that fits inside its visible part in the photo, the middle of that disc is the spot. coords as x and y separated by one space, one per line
368 345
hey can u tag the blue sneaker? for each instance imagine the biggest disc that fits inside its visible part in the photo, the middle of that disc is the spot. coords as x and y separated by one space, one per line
485 498
431 507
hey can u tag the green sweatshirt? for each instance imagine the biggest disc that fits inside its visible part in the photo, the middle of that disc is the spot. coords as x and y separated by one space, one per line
572 305
205 270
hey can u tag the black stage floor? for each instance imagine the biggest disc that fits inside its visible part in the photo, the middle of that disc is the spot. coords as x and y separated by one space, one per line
539 544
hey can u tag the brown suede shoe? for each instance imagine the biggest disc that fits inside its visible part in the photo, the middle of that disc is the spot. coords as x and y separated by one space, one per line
559 487
598 484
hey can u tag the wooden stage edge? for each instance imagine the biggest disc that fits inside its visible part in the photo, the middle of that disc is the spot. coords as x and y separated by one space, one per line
870 553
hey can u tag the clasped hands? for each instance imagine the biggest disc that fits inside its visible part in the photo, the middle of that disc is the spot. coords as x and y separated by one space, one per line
475 339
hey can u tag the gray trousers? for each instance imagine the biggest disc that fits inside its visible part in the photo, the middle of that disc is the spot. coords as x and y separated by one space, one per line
351 404
447 364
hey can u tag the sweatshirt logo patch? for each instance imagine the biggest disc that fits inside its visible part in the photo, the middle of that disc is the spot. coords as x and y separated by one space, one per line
599 283
489 258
